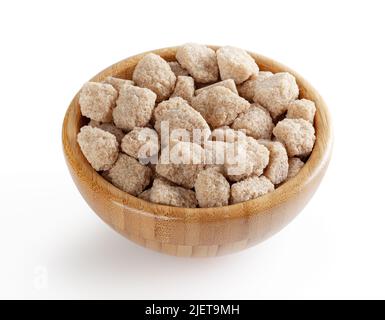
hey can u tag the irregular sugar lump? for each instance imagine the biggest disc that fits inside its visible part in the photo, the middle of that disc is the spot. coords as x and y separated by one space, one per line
184 88
219 105
118 83
175 114
276 92
277 169
180 162
256 122
134 107
154 73
247 88
164 192
250 188
212 189
236 64
141 143
96 101
109 127
100 147
129 175
295 165
200 62
177 69
297 135
301 109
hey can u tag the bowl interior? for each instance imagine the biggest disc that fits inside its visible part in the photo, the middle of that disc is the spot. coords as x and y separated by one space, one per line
124 69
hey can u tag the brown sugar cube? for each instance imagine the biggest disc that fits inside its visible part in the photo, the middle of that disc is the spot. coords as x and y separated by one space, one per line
236 64
141 143
215 154
200 62
177 69
295 165
212 189
129 175
165 193
184 88
251 159
297 135
229 84
134 107
109 127
227 134
145 195
180 162
225 149
276 92
277 169
247 89
222 156
219 106
96 101
99 147
250 188
301 109
256 122
178 114
118 83
154 73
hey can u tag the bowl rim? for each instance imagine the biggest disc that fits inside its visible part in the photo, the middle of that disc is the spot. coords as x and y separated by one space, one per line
314 165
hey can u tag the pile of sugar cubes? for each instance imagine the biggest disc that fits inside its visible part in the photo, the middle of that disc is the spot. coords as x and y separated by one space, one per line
206 130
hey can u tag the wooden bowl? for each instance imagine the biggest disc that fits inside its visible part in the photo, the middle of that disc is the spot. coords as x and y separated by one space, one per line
199 232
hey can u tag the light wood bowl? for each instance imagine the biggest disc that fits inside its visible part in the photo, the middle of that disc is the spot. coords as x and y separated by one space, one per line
197 232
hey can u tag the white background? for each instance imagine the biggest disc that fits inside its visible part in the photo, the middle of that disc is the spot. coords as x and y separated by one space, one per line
53 246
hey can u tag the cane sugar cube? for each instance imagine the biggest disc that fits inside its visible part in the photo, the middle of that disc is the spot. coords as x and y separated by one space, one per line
276 92
154 73
256 122
180 163
295 165
297 135
141 143
219 106
277 169
129 175
177 116
96 101
177 69
200 62
109 127
247 89
184 88
99 147
172 195
134 107
212 189
301 109
251 158
236 64
118 83
250 188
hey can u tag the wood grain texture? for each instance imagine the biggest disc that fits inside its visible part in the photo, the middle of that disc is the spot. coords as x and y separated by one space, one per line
200 232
